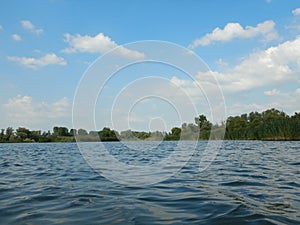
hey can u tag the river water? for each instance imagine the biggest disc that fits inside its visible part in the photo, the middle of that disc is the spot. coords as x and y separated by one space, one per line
249 182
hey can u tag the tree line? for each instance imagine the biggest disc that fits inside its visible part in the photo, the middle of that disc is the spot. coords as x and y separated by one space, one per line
271 124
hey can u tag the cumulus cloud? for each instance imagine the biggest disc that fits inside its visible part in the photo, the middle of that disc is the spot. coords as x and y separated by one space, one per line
296 12
96 44
24 111
288 102
274 65
235 30
277 65
16 37
27 25
35 63
272 92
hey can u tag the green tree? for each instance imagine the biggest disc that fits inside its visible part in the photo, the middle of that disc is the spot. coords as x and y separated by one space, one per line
73 132
174 135
189 131
128 135
55 131
22 133
93 133
204 127
9 135
82 132
141 135
2 135
35 135
201 120
63 131
108 135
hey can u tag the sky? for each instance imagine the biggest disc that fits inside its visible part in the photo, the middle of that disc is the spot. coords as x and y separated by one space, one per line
47 48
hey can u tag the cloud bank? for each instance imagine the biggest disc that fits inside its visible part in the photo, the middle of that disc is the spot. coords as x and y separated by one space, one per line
35 63
97 44
234 30
25 111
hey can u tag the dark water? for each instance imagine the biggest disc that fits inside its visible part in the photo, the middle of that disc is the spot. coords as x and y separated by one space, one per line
248 183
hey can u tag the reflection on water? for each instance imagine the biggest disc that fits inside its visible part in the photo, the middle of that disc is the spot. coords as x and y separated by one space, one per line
250 182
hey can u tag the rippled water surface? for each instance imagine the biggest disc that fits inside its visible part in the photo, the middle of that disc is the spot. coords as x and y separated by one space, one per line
250 182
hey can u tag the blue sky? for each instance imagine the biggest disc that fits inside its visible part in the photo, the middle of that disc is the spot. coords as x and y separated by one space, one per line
251 47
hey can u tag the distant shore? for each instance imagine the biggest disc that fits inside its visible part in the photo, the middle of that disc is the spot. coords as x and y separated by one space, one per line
269 125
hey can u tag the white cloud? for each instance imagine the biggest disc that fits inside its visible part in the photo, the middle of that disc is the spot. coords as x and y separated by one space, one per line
16 37
1 27
35 63
235 30
296 12
275 66
288 102
97 44
272 92
27 25
24 111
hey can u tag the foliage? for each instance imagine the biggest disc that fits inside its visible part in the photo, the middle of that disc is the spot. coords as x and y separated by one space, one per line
108 135
174 135
271 124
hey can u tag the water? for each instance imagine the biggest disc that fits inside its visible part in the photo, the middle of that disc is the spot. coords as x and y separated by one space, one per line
250 182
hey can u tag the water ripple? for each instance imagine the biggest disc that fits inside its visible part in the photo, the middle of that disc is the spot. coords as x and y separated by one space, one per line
250 182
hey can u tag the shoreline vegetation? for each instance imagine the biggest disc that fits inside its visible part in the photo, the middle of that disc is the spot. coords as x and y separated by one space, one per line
269 125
